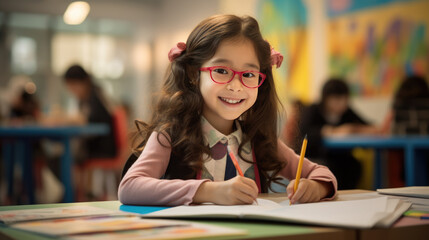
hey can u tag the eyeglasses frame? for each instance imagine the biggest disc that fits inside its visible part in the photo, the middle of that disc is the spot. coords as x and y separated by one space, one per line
240 74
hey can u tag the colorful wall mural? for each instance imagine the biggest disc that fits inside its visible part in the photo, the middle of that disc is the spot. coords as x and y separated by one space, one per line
371 43
283 24
374 44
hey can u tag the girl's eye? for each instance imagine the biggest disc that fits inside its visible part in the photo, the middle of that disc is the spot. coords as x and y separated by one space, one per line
221 70
249 75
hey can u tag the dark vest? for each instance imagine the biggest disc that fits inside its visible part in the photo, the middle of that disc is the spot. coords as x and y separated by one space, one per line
177 170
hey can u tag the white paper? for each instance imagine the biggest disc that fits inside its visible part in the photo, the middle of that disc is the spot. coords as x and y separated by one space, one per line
421 192
364 213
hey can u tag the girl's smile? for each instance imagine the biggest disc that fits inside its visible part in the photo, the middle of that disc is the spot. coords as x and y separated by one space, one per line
231 101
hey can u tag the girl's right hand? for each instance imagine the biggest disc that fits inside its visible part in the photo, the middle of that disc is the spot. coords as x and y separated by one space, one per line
235 191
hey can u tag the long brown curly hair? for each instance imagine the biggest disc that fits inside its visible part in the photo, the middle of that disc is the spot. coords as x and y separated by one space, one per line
180 103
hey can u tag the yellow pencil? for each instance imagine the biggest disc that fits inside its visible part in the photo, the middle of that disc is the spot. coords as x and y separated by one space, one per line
301 160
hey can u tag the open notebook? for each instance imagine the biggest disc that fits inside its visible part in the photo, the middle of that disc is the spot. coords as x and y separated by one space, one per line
366 213
418 191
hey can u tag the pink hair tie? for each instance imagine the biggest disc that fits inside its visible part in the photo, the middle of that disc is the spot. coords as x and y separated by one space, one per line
276 58
176 51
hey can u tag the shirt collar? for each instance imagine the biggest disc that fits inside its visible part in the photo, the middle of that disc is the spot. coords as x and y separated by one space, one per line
212 136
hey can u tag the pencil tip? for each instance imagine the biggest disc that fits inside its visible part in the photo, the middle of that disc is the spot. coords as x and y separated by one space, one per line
305 136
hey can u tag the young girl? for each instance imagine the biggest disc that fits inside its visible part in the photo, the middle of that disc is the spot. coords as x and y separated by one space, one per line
219 96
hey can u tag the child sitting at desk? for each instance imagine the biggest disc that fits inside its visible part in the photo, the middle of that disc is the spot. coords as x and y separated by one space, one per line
333 116
94 108
219 95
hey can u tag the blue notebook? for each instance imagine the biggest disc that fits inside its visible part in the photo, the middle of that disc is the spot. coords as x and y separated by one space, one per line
140 209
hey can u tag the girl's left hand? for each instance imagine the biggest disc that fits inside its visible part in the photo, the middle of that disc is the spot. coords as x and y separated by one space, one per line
308 191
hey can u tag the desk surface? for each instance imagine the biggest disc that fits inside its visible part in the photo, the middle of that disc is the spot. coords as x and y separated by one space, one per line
415 151
257 229
376 141
23 135
54 131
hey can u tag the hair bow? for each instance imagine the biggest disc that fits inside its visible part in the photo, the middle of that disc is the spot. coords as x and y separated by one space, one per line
276 58
176 51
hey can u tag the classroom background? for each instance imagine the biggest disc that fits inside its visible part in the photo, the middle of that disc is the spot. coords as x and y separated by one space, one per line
123 45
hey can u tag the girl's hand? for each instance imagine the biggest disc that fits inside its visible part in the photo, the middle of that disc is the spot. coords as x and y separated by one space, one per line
237 190
308 191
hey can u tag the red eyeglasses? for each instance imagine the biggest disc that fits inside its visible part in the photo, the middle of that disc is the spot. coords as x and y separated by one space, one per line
223 75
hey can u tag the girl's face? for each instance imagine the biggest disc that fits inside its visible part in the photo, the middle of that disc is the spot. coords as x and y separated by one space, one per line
336 104
223 103
78 89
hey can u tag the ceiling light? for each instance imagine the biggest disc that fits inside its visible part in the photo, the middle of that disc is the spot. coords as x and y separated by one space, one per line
76 12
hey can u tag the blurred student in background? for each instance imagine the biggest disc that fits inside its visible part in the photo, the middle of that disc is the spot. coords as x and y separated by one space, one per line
23 108
21 105
93 108
409 115
411 107
333 116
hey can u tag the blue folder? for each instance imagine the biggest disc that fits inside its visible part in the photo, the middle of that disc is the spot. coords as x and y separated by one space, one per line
140 209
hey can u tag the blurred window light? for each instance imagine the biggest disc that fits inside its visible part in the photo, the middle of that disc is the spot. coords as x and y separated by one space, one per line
70 48
115 68
141 57
28 20
115 27
76 12
109 89
101 55
103 49
24 55
58 25
108 62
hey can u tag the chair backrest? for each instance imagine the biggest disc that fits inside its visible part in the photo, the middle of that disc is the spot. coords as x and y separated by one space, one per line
130 161
412 117
120 128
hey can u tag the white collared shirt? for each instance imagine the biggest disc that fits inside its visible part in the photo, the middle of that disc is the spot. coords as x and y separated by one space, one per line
214 165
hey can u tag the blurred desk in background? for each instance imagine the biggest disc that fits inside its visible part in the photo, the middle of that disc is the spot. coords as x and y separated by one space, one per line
17 146
416 152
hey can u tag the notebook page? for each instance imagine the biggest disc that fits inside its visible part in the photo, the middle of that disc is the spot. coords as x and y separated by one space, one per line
212 210
364 213
395 209
357 213
420 191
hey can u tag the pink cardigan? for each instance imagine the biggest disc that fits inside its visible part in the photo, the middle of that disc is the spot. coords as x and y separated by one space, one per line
142 185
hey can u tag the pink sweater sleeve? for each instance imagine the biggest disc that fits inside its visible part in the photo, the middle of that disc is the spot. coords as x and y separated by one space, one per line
310 170
142 185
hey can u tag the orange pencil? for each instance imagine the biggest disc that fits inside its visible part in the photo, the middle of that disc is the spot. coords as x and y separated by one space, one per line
235 162
301 160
